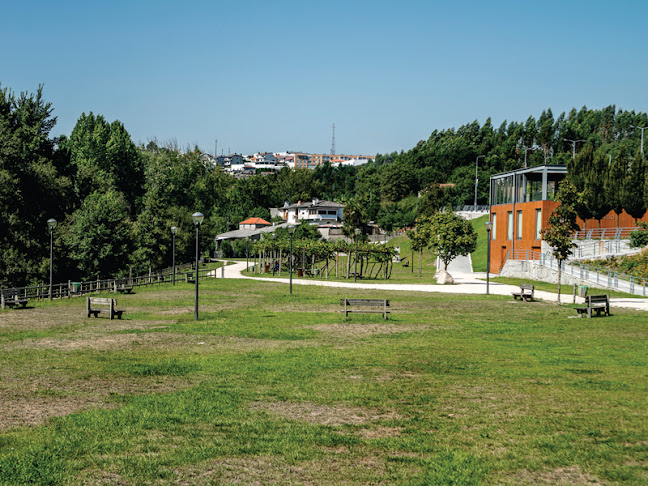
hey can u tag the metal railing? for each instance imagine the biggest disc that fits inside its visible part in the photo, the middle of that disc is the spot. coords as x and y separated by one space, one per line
604 233
595 276
184 273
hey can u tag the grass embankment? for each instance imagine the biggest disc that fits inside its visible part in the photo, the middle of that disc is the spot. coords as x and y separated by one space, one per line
270 388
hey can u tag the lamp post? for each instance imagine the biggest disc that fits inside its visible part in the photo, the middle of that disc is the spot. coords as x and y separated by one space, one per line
357 232
291 230
476 179
174 230
642 133
489 227
197 219
247 254
51 224
573 142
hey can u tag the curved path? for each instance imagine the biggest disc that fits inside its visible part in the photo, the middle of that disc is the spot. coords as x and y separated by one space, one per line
465 283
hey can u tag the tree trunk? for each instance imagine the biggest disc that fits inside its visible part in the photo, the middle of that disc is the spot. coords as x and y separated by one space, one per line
348 264
337 257
559 278
420 262
280 260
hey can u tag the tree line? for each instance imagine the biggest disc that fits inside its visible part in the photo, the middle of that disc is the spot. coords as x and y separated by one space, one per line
115 201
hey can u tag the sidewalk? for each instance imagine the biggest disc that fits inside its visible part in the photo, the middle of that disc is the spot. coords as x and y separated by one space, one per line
465 283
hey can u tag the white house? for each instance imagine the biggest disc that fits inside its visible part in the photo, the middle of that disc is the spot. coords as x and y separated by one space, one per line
315 211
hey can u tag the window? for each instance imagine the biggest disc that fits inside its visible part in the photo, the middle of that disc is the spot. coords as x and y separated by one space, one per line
494 220
519 225
509 225
538 224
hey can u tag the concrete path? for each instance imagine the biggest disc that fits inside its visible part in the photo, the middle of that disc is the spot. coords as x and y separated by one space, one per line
465 283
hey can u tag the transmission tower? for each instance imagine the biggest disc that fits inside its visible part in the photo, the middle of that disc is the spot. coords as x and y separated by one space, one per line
333 141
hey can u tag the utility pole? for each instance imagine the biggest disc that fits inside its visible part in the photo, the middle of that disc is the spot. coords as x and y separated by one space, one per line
642 130
573 142
333 141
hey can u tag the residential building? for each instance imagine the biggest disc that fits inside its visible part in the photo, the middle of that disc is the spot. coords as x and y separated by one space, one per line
315 211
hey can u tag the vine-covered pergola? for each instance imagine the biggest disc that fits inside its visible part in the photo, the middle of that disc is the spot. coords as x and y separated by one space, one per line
321 258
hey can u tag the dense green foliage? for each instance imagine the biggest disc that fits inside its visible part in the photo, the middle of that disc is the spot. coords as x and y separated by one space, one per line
98 176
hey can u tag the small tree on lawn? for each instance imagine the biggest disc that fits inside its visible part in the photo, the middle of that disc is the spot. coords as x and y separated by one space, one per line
562 224
450 236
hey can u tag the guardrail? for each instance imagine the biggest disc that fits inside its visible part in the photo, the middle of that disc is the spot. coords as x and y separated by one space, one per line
604 233
613 280
184 273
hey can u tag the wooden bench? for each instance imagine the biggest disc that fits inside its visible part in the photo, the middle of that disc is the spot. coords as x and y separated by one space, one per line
123 287
11 299
598 303
365 303
95 305
526 292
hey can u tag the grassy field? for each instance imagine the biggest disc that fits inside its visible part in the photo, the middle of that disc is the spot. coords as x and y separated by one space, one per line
268 388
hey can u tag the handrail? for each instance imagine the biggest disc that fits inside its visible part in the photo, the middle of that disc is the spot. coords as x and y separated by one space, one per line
69 289
604 233
614 280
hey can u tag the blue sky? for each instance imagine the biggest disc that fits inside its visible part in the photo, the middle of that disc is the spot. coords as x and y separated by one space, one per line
274 76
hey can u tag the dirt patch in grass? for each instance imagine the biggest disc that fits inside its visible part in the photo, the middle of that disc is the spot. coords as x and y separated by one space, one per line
338 469
346 330
323 414
40 318
379 432
560 476
30 404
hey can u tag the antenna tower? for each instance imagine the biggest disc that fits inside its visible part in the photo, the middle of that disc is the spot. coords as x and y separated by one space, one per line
333 141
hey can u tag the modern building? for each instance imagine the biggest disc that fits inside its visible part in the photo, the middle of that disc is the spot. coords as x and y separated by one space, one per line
521 203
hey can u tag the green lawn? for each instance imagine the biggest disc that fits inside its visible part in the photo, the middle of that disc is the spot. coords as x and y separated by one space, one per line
268 388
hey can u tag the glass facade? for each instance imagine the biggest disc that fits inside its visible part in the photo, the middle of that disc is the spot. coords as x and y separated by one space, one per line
527 185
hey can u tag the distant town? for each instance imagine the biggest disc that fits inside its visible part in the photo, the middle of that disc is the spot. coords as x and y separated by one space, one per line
269 162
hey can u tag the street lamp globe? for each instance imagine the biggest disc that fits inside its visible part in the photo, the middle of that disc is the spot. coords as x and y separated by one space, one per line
51 223
198 218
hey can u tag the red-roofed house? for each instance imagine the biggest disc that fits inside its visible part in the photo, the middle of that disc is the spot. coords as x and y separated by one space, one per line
253 223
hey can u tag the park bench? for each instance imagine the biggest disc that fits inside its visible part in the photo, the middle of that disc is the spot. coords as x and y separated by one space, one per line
10 298
347 303
598 303
95 305
526 292
123 288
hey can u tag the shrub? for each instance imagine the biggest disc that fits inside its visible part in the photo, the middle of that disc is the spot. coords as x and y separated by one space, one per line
639 237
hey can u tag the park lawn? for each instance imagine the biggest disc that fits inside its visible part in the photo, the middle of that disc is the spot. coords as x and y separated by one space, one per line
269 388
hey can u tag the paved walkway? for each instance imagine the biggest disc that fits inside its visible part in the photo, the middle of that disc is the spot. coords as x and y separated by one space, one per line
465 283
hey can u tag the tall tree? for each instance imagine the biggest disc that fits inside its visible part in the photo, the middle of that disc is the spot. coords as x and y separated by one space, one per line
32 189
616 181
593 196
634 187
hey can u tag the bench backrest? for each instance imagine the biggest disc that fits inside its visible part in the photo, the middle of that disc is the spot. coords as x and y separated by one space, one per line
527 287
597 299
369 302
101 301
